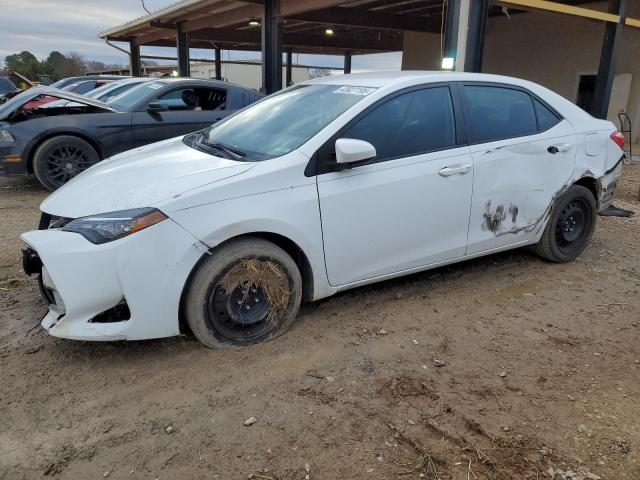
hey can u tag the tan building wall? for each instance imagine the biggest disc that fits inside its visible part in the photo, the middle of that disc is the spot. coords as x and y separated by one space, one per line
550 49
245 74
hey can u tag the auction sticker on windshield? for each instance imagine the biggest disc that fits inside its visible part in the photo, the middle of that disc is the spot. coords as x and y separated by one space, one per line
355 90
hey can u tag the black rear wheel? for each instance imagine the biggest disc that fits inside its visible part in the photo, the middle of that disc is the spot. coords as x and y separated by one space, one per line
571 224
61 158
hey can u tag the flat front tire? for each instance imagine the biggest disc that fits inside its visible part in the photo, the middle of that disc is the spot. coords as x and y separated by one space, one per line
58 159
247 291
570 226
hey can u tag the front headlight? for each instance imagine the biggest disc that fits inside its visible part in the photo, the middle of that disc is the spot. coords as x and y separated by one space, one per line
5 136
107 227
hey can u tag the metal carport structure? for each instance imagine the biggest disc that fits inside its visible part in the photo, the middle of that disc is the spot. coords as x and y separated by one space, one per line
349 27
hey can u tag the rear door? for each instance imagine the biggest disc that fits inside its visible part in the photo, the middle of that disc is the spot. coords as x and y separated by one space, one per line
523 154
190 108
407 208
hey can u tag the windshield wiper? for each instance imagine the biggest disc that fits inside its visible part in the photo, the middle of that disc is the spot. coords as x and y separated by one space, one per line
234 153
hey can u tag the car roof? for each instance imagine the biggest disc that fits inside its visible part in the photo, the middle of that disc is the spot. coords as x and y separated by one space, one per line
391 78
209 81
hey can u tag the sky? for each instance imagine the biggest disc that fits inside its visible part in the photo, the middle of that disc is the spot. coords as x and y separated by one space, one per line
41 26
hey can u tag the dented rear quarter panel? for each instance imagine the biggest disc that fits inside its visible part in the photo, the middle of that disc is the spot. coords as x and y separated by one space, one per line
598 157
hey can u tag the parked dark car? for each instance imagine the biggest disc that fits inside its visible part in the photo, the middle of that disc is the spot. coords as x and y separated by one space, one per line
7 89
98 79
6 85
57 141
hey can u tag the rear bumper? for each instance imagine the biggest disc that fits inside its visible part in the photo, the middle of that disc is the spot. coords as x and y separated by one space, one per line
128 289
608 184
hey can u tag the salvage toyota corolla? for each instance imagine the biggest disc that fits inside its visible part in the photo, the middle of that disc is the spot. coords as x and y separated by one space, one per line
331 184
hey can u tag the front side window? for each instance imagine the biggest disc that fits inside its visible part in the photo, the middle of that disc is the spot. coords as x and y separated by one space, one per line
410 124
494 113
132 97
284 121
194 98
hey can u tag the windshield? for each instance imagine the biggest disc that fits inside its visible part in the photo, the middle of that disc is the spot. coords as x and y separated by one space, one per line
64 82
283 122
108 92
129 99
6 85
96 92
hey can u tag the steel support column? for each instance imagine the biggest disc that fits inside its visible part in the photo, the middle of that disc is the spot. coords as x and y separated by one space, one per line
607 68
452 23
476 33
134 59
271 47
182 43
218 64
289 75
347 62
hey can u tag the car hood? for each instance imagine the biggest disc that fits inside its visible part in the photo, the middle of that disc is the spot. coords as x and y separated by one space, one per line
21 99
142 177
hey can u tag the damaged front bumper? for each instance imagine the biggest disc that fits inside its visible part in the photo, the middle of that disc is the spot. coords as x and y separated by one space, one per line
128 289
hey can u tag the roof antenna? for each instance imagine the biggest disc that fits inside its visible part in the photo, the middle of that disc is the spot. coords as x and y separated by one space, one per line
145 8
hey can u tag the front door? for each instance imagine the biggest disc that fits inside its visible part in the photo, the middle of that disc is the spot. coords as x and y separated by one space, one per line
407 208
190 109
523 154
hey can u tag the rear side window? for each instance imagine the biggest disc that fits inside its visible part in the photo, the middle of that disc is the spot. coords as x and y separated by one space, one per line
546 118
494 113
412 123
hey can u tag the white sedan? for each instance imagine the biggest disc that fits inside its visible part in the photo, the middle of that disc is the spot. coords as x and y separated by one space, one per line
328 185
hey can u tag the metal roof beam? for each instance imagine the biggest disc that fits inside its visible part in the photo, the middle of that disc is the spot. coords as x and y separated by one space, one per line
359 18
359 42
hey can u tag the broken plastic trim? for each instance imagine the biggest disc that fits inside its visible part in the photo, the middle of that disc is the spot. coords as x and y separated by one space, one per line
613 211
119 313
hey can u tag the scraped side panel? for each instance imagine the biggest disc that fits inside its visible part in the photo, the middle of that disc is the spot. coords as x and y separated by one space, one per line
515 182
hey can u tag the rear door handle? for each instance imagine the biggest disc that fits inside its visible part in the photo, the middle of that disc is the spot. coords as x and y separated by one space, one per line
565 147
460 168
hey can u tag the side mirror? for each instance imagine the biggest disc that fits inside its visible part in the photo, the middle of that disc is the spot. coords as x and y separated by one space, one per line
157 107
350 151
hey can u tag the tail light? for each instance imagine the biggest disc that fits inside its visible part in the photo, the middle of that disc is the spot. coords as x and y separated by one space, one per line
618 138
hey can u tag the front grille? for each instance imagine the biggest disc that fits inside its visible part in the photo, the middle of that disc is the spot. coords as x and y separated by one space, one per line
48 221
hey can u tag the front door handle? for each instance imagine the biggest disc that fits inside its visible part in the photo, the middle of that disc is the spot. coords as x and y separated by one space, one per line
565 147
460 168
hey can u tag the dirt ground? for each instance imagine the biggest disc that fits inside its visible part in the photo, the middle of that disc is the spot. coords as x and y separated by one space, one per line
506 367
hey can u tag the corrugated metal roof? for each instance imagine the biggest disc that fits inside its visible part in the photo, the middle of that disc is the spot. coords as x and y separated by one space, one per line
177 7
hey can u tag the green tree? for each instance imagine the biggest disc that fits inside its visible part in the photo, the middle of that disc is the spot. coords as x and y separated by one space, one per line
25 63
54 64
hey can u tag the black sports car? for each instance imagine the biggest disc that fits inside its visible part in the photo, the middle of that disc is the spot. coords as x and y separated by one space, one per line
58 140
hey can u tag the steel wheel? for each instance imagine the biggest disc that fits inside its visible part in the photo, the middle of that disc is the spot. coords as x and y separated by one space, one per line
241 315
570 225
247 291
